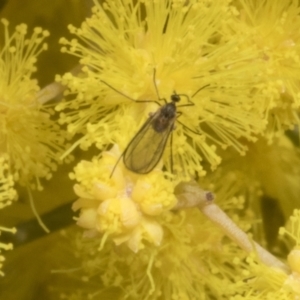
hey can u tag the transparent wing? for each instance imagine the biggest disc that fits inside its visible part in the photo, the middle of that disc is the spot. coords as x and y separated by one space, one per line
146 148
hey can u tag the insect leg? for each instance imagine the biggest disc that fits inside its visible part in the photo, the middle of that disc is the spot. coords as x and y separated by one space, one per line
179 113
203 87
189 129
128 97
171 152
156 89
113 170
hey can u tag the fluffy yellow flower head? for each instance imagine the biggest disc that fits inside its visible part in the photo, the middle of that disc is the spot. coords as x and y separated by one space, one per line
121 45
27 134
273 27
193 261
123 207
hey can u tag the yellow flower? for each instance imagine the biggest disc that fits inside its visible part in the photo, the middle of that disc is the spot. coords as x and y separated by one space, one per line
122 44
237 61
192 262
267 179
265 283
180 255
273 27
28 135
271 283
135 51
121 205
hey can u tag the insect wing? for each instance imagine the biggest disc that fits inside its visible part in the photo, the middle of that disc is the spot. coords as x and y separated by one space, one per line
146 148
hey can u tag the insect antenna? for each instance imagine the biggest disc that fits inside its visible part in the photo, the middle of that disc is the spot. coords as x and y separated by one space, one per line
191 103
200 89
117 162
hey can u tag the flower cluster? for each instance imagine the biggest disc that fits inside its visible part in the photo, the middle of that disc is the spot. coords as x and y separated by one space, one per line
273 29
168 93
30 140
28 135
177 47
121 205
272 283
235 72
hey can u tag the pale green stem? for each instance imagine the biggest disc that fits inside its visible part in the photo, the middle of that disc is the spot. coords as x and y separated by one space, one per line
216 215
191 195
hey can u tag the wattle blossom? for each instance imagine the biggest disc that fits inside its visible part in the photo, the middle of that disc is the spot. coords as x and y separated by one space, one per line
273 29
119 49
28 135
30 140
216 217
121 206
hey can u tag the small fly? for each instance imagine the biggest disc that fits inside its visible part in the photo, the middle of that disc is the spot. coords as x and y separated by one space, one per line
146 148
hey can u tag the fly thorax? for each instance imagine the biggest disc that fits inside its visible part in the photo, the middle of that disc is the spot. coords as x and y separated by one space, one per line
164 117
169 111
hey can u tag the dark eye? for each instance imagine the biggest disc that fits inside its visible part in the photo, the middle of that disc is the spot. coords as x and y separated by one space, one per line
175 98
